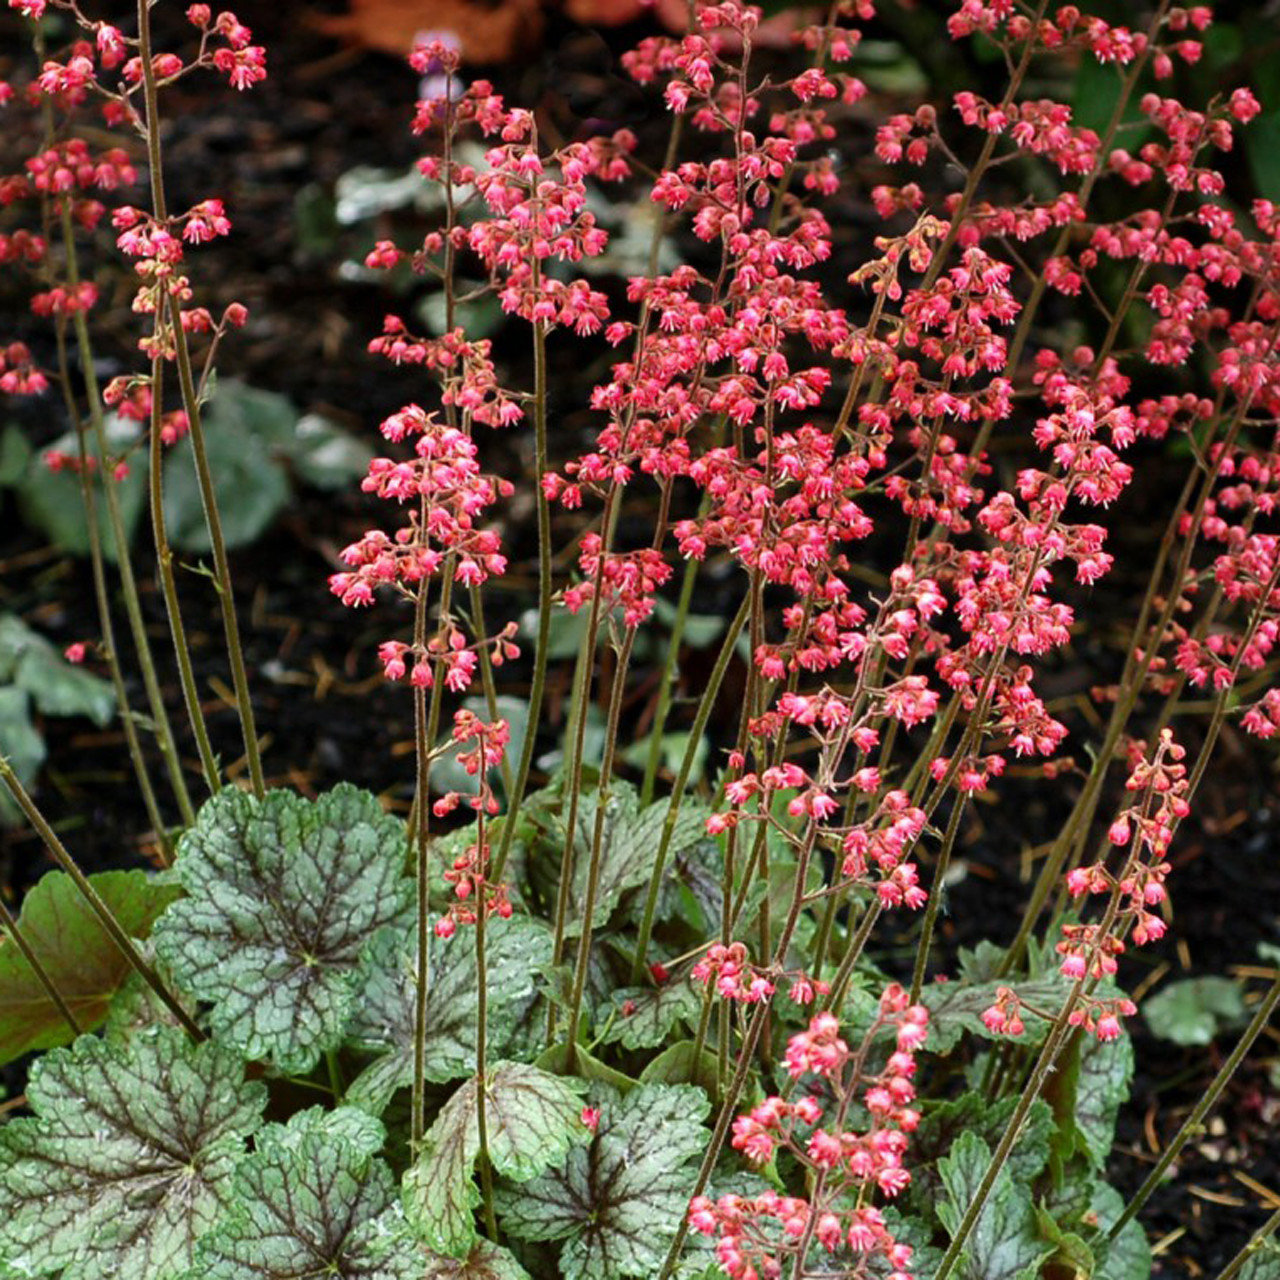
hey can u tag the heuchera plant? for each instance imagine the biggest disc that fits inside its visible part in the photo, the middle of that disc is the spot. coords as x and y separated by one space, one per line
597 1027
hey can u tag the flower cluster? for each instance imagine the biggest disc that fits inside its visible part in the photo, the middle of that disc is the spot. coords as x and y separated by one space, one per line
758 1235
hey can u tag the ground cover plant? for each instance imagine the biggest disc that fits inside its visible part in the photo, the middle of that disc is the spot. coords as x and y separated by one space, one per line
666 993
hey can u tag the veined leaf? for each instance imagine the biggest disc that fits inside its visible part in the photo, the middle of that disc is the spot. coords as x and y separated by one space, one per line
1128 1256
644 1016
617 1201
286 897
629 844
486 1261
313 1200
383 1019
76 953
532 1118
1004 1244
128 1160
957 1007
1102 1084
943 1125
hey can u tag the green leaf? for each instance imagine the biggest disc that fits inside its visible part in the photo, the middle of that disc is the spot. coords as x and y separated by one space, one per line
944 1124
532 1118
1263 1263
629 844
326 456
481 317
1261 142
448 775
617 1201
20 744
53 502
1070 1252
701 630
383 1018
128 1160
366 191
15 454
1194 1010
313 1200
679 1064
57 687
1106 1068
240 426
1004 1243
286 897
1128 1256
557 1059
957 1007
645 1016
76 953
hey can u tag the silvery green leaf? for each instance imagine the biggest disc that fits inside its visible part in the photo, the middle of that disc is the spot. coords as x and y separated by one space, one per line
128 1160
943 1125
1128 1256
1102 1085
532 1118
382 1021
57 687
286 897
313 1200
643 1017
1004 1244
617 1201
1194 1010
53 501
630 837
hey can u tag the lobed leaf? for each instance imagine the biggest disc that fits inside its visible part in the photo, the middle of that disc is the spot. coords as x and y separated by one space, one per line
532 1118
943 1125
314 1200
76 953
617 1201
383 1019
57 687
1194 1010
1004 1244
286 899
645 1016
486 1261
129 1159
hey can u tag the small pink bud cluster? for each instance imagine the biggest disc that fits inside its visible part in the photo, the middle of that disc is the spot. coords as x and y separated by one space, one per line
1090 951
730 969
472 890
19 374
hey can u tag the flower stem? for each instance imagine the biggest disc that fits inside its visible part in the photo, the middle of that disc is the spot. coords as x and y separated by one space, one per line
169 586
191 404
112 655
128 583
1254 1246
117 935
1191 1126
42 974
537 687
705 706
